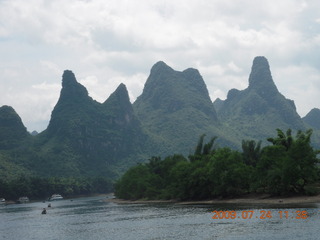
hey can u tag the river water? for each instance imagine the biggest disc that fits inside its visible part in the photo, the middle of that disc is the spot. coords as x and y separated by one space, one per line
96 218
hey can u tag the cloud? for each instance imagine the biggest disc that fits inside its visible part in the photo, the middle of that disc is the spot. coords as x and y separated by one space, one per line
301 84
108 42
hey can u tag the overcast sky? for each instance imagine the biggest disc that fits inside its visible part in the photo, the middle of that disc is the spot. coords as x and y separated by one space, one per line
106 42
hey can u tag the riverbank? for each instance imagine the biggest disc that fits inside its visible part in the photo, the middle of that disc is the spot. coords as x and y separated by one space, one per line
248 199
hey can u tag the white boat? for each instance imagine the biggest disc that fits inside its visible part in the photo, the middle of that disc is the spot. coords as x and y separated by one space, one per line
55 197
2 200
23 200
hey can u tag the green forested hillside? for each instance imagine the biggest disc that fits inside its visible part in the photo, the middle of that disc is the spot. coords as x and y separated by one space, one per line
312 120
288 166
174 107
12 131
87 140
256 111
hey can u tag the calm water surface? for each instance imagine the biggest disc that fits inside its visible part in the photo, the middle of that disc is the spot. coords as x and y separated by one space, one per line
95 218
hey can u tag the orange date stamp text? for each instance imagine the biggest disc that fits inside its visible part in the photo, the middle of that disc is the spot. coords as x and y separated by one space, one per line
259 214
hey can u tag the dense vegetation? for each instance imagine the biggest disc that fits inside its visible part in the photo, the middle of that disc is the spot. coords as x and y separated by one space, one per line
43 188
288 166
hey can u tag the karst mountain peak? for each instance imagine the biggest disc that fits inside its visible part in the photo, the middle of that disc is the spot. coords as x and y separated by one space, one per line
88 138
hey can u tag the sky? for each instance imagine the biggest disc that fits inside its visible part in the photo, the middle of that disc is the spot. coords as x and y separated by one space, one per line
108 42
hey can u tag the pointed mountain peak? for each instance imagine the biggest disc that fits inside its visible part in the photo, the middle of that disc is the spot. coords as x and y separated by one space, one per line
119 95
164 77
313 118
12 128
160 67
122 90
260 76
9 117
73 98
170 91
119 104
71 88
195 80
68 78
7 109
314 112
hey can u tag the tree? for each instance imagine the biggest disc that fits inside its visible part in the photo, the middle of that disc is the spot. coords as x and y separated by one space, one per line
203 150
289 165
283 139
269 170
302 168
179 178
251 152
228 174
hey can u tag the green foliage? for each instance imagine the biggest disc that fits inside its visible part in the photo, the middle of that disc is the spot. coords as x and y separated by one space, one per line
138 182
43 188
203 151
289 166
230 175
282 139
251 152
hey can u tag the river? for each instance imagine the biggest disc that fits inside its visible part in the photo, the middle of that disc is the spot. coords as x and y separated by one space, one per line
95 218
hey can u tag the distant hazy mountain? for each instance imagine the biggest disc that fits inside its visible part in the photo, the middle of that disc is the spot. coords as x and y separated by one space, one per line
12 130
34 133
91 138
258 110
175 109
87 138
313 118
84 137
13 140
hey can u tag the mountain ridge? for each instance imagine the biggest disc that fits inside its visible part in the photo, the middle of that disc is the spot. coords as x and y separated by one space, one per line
172 101
84 137
313 118
12 130
260 108
88 138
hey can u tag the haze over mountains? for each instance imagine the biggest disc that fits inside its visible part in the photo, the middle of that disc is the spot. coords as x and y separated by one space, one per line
87 138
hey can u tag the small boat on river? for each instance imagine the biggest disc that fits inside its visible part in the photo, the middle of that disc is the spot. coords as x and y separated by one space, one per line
2 201
55 197
23 200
